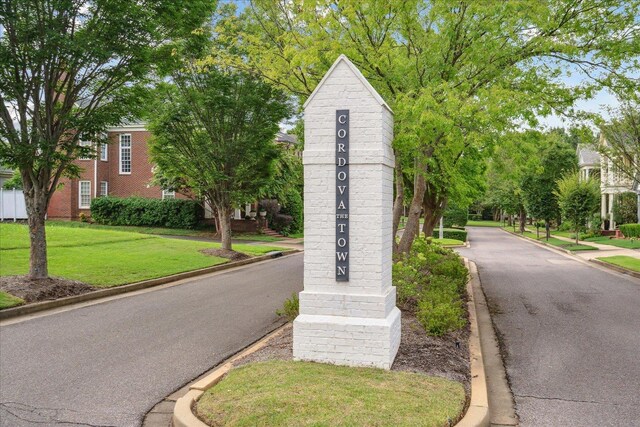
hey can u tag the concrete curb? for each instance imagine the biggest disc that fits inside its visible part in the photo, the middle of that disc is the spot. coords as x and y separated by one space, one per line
183 415
616 268
477 414
573 255
102 293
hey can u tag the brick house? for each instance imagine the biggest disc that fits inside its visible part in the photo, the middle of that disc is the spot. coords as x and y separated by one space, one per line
123 169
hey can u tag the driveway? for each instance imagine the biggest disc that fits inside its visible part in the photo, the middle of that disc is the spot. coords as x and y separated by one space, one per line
108 364
570 332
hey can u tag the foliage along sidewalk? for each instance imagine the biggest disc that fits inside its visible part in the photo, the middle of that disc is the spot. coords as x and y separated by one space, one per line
611 250
565 245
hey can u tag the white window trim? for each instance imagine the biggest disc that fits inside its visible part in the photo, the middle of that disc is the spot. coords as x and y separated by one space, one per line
106 188
106 152
166 193
80 205
120 154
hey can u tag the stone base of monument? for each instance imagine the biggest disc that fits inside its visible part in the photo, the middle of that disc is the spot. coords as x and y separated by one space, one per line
347 340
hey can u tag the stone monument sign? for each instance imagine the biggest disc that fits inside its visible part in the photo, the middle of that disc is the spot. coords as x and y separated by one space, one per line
348 314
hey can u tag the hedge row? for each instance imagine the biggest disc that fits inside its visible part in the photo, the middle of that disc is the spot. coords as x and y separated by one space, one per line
171 213
449 233
430 281
630 230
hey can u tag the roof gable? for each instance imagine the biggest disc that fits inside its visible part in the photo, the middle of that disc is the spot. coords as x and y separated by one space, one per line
357 73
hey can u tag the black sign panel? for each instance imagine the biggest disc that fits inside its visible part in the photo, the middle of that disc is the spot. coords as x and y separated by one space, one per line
342 195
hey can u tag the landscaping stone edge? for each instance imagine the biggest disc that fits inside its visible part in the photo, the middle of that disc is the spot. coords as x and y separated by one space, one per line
477 414
22 310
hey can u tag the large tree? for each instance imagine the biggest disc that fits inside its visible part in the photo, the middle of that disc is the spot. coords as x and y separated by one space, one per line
556 156
68 70
214 131
454 73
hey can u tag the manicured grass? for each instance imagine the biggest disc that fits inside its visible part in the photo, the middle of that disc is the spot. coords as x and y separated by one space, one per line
296 236
8 300
449 242
109 258
623 261
313 394
621 243
255 237
144 230
557 242
603 240
474 223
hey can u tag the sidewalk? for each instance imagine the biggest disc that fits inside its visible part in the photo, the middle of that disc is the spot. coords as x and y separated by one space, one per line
603 250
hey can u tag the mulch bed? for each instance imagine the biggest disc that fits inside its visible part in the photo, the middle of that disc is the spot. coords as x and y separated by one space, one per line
225 253
446 356
44 289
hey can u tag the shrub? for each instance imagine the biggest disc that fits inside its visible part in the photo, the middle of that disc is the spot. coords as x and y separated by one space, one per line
630 230
431 282
282 224
291 308
625 208
454 215
138 211
294 207
449 233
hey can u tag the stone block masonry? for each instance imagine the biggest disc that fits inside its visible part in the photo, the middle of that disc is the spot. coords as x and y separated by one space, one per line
355 321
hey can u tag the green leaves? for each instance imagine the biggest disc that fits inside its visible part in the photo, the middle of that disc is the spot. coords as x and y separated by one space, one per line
214 131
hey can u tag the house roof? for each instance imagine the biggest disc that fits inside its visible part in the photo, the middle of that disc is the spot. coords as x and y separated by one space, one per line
286 138
357 73
587 156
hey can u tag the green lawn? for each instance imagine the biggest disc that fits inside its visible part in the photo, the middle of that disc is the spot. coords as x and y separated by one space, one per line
109 258
314 394
557 242
449 242
8 300
255 237
144 230
621 243
296 236
471 223
623 261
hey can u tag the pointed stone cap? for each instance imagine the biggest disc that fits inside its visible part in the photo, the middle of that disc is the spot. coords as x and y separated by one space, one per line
357 73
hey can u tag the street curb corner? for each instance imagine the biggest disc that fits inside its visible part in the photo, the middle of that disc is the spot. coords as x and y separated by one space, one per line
183 415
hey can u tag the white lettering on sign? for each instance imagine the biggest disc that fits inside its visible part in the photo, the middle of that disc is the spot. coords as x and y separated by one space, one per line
342 195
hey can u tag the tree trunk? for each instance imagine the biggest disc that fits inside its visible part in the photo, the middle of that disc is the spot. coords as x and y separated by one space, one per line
523 219
547 227
433 210
36 204
398 204
413 217
224 218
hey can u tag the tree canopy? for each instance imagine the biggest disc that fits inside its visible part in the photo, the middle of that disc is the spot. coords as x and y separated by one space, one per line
456 75
214 132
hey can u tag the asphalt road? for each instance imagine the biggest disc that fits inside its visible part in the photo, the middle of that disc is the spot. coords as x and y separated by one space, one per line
108 364
571 332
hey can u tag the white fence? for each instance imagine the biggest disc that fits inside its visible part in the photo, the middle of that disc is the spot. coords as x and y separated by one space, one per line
12 206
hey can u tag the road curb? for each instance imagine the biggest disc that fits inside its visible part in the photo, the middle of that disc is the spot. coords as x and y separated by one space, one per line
616 268
477 414
183 415
573 255
22 310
